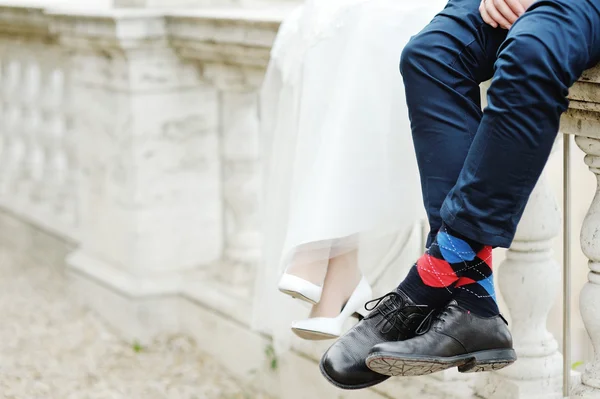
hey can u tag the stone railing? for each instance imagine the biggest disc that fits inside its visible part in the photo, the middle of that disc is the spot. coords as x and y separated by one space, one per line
583 121
38 163
133 135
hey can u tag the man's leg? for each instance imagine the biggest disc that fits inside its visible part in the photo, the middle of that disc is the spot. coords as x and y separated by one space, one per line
458 44
442 69
545 52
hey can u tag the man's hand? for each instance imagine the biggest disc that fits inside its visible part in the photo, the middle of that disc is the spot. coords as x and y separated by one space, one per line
503 13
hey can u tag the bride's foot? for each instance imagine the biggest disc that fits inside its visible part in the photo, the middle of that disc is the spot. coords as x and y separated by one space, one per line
344 294
342 278
303 278
299 288
321 328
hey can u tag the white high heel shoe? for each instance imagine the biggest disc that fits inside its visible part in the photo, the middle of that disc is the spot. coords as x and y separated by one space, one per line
321 328
297 287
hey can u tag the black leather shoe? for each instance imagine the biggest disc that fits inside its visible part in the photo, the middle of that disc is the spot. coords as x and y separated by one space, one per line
394 317
455 338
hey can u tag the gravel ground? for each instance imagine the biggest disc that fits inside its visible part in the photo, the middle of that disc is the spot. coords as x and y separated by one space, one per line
52 349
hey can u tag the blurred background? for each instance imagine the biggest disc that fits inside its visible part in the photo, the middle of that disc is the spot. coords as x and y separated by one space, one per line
129 215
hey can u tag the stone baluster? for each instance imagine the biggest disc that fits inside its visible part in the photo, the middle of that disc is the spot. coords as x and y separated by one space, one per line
590 295
241 180
241 176
13 146
529 280
3 114
238 81
48 183
33 160
63 161
59 166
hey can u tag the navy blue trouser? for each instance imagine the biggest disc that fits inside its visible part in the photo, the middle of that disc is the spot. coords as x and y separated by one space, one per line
478 169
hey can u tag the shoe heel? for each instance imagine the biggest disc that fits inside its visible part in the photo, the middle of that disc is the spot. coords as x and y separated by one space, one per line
489 361
358 316
331 327
361 313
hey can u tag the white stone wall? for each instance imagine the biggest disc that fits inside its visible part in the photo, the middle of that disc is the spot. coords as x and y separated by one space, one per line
134 134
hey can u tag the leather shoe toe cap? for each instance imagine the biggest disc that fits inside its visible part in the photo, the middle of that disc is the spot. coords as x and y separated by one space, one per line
346 372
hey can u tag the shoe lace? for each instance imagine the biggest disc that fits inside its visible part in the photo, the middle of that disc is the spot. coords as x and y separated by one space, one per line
389 306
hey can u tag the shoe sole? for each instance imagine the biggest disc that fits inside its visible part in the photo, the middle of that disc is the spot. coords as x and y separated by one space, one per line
347 387
393 365
313 335
297 295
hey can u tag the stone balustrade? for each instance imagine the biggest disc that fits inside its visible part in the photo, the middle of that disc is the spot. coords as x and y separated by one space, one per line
38 164
583 121
133 135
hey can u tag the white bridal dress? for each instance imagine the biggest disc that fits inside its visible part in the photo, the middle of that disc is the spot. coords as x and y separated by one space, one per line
340 171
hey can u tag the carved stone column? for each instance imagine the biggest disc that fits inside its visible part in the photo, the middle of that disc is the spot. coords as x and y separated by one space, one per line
238 86
240 174
239 83
583 120
30 178
58 181
13 147
241 184
590 295
529 280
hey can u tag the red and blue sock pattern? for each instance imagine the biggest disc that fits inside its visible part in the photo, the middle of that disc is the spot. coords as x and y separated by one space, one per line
454 267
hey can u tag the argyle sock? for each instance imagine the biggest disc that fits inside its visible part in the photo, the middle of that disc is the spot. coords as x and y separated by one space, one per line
475 290
454 267
431 280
